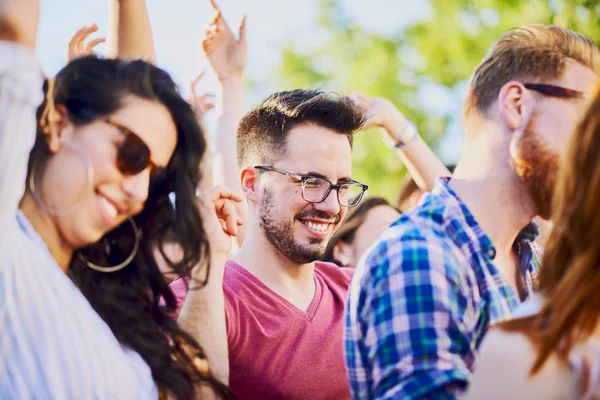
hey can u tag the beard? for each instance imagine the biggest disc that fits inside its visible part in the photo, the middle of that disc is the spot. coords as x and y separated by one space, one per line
280 233
537 166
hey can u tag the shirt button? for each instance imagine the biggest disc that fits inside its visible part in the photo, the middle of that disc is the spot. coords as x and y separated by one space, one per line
491 253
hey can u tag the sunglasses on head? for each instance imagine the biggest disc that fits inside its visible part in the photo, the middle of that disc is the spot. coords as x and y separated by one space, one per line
133 154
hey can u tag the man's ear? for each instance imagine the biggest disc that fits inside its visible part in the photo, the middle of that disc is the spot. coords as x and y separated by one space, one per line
516 105
250 179
58 127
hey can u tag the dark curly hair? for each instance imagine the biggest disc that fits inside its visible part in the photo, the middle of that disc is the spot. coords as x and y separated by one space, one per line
128 300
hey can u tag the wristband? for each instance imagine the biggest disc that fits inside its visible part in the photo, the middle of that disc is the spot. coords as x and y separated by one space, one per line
410 131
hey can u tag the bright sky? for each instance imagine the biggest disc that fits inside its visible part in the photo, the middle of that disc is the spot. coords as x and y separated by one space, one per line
178 27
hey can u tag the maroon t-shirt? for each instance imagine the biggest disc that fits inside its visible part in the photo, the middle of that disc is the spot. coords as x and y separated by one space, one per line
276 350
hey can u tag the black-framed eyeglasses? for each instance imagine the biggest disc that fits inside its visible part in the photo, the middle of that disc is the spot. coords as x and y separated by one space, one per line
556 91
316 190
133 154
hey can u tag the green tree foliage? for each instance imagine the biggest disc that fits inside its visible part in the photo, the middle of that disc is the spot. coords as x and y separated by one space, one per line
443 49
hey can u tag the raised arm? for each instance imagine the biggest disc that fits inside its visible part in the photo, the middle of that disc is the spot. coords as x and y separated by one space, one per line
20 95
202 314
19 21
202 103
422 163
227 55
129 32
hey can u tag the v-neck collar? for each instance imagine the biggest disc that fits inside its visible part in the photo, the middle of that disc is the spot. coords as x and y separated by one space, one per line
312 308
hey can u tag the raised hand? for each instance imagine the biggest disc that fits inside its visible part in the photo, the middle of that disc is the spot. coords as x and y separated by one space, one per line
201 103
381 111
384 114
422 163
226 53
220 217
78 46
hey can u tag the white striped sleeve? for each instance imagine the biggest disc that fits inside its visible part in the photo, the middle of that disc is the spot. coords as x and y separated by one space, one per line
20 94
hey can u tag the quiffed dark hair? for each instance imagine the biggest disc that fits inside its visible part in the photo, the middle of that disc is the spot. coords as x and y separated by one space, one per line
129 300
261 137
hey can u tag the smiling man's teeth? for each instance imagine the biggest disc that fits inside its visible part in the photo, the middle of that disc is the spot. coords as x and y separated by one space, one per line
112 211
317 227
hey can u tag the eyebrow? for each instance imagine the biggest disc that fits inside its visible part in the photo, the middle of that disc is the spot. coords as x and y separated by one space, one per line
318 175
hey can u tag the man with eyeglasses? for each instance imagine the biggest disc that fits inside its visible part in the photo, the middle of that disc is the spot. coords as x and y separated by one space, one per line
278 310
424 295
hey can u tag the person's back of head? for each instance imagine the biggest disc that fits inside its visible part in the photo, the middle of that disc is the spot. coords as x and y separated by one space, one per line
528 53
523 102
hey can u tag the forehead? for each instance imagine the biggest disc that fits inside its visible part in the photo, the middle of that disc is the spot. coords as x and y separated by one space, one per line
152 122
312 148
382 213
579 77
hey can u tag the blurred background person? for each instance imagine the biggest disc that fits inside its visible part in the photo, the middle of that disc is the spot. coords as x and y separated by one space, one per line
410 193
359 230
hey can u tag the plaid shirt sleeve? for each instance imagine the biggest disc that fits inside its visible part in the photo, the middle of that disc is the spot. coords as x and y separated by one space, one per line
407 335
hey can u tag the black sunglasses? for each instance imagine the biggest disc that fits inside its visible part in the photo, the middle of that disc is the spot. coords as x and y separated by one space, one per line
133 154
556 91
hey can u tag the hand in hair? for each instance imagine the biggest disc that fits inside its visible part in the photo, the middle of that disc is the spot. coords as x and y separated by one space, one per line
226 54
201 103
78 47
220 217
422 163
383 114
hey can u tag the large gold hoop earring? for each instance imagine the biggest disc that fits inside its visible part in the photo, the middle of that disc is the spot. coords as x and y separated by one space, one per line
120 266
90 178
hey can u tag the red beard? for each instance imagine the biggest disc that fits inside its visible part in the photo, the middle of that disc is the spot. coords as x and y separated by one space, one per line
537 166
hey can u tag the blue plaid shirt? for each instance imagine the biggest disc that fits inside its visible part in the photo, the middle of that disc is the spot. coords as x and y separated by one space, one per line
421 301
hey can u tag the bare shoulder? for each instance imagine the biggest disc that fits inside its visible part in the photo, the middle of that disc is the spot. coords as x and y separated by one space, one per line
503 370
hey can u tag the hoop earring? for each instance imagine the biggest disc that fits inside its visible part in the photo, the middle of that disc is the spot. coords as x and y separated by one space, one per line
136 246
90 178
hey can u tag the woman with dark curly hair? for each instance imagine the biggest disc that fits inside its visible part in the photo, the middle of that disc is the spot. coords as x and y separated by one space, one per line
114 139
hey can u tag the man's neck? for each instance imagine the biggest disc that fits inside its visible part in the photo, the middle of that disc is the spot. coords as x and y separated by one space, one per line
44 226
498 206
489 187
293 281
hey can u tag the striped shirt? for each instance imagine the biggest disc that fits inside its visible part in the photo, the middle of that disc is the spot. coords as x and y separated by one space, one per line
53 345
422 299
